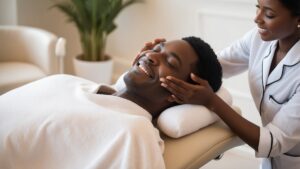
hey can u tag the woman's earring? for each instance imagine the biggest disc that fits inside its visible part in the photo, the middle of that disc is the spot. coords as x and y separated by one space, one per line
298 26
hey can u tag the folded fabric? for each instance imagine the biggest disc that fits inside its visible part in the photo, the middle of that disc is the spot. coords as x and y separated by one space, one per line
184 119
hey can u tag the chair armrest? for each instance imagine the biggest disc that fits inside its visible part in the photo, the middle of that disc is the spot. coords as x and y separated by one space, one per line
31 45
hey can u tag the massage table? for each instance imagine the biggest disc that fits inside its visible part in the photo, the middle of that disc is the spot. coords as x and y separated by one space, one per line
195 150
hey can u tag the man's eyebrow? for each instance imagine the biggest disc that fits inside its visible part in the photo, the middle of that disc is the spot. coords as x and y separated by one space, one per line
162 46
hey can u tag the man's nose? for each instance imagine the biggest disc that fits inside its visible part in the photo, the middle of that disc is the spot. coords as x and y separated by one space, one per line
153 58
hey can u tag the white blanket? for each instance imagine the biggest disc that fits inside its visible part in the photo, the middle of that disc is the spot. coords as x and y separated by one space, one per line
59 123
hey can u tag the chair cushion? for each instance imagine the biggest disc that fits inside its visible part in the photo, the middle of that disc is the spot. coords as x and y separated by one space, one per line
15 74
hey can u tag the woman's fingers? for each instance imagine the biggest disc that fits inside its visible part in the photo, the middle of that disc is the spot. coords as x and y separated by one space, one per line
173 87
159 40
184 92
178 83
151 45
173 98
148 46
178 88
198 80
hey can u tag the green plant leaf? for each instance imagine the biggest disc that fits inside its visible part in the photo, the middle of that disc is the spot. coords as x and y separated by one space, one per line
82 13
95 21
68 9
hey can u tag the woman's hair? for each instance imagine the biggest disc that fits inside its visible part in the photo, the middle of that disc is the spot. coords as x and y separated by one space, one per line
292 5
208 66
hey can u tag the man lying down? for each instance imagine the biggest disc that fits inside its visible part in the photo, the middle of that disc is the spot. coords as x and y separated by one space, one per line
64 122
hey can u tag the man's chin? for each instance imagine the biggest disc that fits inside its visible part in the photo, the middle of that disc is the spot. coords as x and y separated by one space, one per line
138 78
143 84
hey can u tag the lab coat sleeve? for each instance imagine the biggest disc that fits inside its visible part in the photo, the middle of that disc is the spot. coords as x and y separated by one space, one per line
283 132
235 58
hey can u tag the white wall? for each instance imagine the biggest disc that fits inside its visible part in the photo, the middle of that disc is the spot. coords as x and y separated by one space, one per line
8 12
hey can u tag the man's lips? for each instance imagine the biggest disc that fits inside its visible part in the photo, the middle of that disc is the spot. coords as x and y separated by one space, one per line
145 68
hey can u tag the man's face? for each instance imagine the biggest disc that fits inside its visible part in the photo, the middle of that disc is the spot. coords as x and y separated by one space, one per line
173 58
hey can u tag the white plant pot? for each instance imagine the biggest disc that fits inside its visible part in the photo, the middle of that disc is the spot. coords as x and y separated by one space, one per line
99 72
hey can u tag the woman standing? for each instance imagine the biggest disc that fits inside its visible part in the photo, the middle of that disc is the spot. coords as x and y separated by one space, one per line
271 54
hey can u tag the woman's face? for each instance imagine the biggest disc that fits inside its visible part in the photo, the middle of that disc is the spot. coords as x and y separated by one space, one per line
275 21
174 58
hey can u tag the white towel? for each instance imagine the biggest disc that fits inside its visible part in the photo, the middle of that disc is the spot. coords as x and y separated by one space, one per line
59 123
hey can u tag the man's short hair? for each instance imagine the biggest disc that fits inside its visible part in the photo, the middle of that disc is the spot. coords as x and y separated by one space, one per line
208 66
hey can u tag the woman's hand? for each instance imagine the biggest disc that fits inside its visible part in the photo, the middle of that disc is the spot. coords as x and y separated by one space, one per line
182 92
148 46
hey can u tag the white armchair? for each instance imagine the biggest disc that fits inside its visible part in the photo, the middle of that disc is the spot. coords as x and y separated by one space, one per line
28 54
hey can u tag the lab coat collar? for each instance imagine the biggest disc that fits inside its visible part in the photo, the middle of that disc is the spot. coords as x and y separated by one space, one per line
291 59
266 63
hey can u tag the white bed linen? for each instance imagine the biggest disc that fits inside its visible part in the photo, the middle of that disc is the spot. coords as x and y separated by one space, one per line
59 123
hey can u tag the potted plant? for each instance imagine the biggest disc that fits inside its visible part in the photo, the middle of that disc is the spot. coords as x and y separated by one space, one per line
94 20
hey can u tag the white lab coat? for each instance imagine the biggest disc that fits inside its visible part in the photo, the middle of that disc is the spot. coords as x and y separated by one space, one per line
276 95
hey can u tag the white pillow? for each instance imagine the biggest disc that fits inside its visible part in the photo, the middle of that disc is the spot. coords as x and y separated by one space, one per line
184 119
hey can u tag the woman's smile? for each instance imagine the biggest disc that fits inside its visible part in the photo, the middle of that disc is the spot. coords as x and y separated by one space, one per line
262 31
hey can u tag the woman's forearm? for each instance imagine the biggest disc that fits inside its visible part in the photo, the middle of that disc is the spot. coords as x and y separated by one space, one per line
246 130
